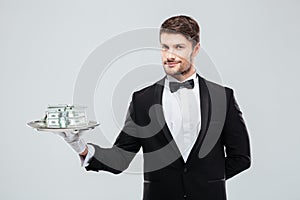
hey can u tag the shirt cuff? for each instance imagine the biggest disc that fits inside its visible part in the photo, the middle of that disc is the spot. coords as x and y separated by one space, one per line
89 155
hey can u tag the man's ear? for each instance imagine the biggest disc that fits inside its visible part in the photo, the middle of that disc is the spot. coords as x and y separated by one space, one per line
196 49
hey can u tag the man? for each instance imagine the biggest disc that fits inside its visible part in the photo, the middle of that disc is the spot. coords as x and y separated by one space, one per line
191 130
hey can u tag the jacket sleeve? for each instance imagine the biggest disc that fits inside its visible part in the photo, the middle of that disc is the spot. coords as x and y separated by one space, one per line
117 158
236 139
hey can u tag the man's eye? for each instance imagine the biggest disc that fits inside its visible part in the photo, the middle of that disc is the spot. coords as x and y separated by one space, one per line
164 48
179 47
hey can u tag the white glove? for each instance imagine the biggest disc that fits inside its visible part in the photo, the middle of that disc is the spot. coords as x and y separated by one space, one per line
75 140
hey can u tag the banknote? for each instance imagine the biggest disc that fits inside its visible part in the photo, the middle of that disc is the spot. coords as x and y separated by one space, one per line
64 115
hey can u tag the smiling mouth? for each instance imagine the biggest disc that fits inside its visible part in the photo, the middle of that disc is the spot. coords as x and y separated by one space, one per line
171 63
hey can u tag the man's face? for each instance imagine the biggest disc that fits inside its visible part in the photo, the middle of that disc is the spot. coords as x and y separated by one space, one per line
177 53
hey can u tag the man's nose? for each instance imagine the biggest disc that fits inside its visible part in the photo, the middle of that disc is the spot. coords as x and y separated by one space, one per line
171 55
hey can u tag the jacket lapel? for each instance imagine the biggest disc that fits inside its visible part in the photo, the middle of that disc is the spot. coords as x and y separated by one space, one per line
205 106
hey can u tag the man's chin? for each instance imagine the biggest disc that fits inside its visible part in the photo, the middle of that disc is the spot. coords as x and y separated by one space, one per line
172 72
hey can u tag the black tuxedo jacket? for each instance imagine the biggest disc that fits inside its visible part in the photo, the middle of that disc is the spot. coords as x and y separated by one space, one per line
221 150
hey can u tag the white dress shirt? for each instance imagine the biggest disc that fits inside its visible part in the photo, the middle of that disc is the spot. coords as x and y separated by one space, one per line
182 114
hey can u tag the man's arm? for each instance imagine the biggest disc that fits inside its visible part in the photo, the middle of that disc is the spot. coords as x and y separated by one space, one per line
236 139
117 158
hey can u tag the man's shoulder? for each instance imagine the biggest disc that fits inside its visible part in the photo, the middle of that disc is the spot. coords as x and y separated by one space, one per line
150 89
215 85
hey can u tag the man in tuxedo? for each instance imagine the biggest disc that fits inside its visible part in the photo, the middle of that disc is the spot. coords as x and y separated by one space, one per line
190 129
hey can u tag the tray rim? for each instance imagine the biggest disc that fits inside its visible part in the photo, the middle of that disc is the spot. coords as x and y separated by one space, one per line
47 129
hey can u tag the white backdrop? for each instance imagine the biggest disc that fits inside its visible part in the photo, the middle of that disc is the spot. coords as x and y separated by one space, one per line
254 45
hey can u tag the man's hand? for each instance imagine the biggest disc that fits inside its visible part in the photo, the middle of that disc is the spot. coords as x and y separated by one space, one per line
75 141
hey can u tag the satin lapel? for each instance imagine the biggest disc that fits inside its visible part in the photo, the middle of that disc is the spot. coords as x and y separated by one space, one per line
205 106
161 119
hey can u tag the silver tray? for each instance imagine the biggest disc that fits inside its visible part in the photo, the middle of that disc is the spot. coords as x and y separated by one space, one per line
40 125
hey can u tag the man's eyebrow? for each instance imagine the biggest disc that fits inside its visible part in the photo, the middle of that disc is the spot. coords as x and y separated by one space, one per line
173 45
180 44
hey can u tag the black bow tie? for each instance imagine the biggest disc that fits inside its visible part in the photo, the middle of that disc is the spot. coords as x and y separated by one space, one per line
174 86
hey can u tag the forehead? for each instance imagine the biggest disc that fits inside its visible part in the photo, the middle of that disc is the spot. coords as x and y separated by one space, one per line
173 38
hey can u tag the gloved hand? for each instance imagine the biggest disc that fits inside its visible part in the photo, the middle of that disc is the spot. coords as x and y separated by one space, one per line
74 139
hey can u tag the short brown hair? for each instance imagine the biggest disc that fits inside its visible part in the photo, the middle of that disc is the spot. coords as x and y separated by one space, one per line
184 25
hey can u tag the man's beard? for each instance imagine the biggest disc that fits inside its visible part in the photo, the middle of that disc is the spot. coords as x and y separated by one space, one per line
182 73
187 70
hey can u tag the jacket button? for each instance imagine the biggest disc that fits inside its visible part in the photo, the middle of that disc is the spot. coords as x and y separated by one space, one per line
184 196
185 170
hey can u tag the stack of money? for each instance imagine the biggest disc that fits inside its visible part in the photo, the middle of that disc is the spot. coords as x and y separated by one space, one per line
65 116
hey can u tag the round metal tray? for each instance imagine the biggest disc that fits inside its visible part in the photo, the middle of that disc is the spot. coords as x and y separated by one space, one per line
40 125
